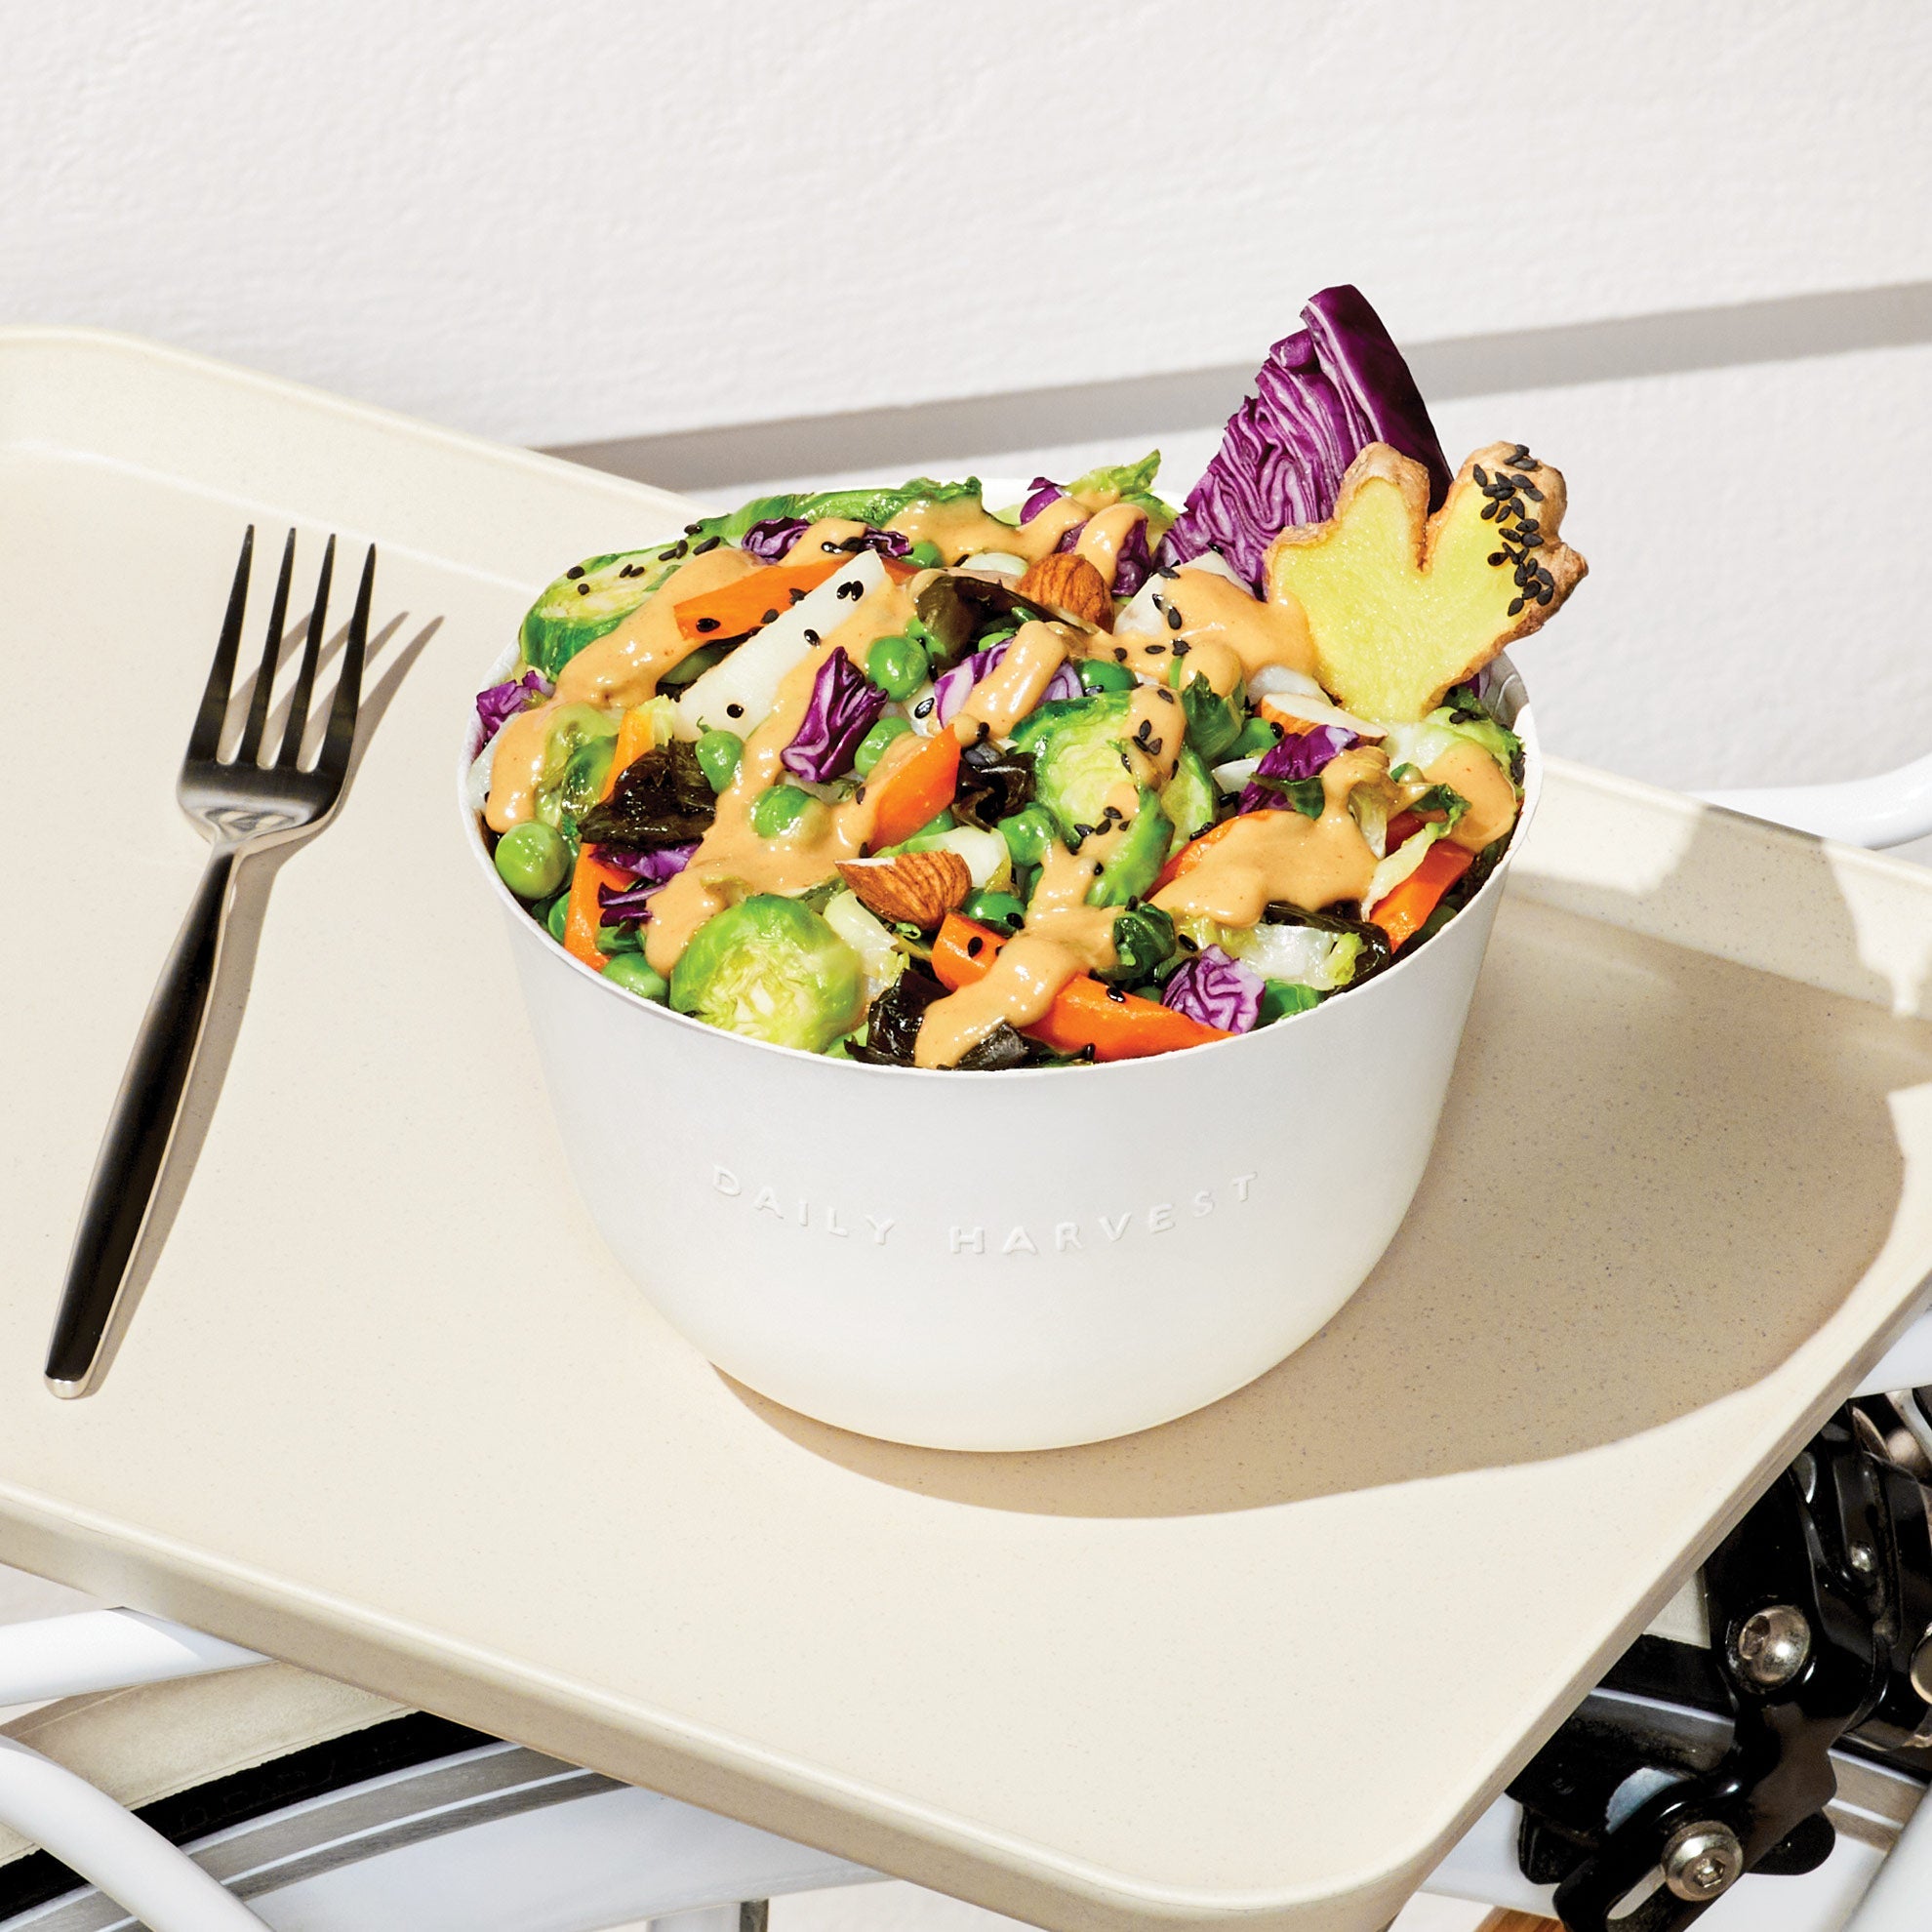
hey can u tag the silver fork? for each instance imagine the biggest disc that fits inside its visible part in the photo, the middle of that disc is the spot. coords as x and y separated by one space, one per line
241 807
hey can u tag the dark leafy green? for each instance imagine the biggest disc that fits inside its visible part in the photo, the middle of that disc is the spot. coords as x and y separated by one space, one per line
993 785
1144 940
892 1030
954 610
1306 795
663 798
1214 722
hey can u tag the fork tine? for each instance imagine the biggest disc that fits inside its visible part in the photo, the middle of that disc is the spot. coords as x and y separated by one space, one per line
250 748
311 652
206 735
340 736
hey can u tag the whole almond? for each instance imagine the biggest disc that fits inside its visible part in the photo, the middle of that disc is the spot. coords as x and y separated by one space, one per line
919 888
1071 586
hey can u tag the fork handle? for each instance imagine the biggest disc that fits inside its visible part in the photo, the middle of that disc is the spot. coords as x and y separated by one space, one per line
95 1306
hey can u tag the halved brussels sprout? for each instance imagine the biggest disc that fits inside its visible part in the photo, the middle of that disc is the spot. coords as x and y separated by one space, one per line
774 970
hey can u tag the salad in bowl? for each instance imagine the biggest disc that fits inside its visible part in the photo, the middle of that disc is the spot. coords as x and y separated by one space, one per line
910 777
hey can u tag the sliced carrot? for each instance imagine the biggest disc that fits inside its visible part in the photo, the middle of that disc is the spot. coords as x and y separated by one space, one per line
746 602
1401 828
1402 913
636 734
583 915
917 789
1085 1013
1193 853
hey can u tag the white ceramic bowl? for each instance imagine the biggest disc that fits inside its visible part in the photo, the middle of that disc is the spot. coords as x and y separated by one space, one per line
1004 1261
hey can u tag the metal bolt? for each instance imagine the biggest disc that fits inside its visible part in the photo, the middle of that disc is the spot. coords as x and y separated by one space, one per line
1772 1644
1701 1861
1921 1668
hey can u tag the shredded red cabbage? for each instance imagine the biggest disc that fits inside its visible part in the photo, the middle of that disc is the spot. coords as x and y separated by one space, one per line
1299 755
1041 492
621 906
950 687
1133 564
845 704
657 866
499 703
1322 396
770 540
1216 989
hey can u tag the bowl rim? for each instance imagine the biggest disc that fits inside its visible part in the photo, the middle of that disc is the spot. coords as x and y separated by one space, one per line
1500 672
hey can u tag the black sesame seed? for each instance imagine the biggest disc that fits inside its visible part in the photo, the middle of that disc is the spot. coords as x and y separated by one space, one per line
1476 471
975 946
584 590
1121 654
859 796
1156 650
1115 992
811 637
1099 868
1499 556
1165 696
1488 511
692 529
923 708
1173 618
798 595
769 616
677 550
1154 747
710 544
574 571
734 711
1189 945
1182 647
1516 605
707 623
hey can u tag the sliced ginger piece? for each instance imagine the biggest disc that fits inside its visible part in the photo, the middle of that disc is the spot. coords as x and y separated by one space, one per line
1400 604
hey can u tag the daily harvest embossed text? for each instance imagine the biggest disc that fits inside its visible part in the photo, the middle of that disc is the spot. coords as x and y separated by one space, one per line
977 1238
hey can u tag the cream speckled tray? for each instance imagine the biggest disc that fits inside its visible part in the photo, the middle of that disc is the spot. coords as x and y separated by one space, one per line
389 1411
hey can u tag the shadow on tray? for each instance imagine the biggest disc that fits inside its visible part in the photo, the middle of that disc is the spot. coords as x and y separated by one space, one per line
388 661
1658 1173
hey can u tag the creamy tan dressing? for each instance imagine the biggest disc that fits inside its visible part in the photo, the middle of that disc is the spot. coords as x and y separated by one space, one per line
1106 534
1215 610
1026 980
733 861
959 528
1006 693
1269 856
1469 770
622 666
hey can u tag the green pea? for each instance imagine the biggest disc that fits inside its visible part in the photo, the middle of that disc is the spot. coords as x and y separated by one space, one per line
872 747
998 909
533 860
718 753
1257 737
896 665
1028 834
1100 675
554 915
635 974
926 554
777 809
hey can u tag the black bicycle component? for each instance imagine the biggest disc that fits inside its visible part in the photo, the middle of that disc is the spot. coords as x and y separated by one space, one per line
1817 1601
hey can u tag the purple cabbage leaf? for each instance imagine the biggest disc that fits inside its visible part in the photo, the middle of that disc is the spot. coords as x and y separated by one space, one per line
1216 989
1322 396
952 689
1299 759
500 703
844 705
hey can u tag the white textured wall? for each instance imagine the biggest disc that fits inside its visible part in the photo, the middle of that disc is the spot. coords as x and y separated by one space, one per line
556 223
